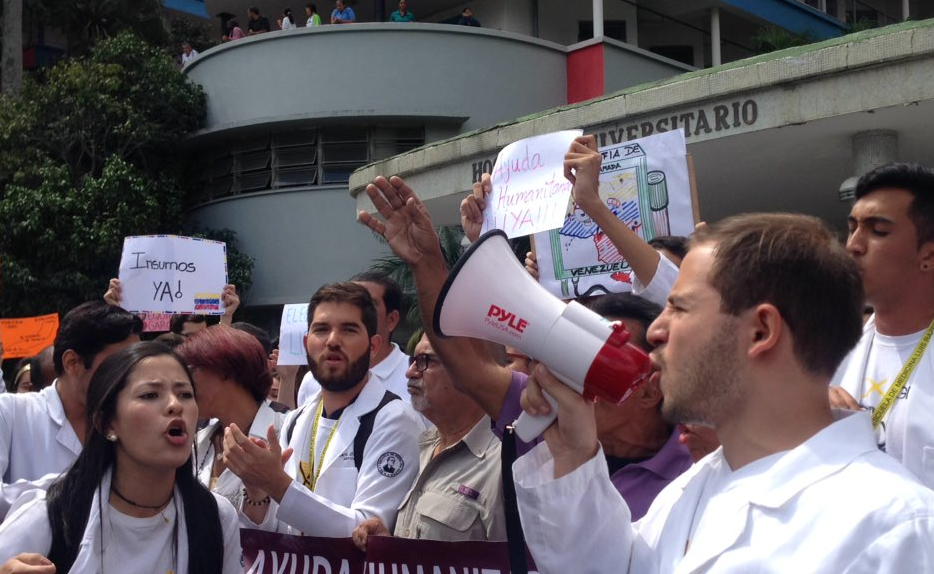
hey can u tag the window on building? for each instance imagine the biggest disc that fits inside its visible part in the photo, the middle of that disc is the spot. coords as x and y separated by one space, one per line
299 158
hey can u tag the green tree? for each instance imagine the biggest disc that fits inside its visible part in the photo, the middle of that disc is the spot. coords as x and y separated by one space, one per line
89 154
200 36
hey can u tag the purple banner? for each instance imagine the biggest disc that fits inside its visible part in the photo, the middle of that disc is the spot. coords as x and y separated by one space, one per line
269 553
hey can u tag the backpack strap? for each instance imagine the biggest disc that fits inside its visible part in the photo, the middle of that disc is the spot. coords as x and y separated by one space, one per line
363 431
366 428
288 432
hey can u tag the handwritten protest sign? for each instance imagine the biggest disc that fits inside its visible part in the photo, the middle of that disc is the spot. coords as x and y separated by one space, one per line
645 184
27 336
271 553
530 192
292 328
172 274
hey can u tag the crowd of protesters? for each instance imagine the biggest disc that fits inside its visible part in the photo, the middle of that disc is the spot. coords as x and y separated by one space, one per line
776 432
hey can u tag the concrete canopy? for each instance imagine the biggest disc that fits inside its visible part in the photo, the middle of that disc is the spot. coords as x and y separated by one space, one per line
802 105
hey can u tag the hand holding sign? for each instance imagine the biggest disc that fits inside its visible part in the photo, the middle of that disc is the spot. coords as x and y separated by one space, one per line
172 274
530 192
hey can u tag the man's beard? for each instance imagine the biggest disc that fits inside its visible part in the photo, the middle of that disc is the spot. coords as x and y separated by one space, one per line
338 382
708 384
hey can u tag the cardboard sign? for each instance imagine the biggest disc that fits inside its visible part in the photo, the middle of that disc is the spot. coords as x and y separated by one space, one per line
530 193
27 336
272 553
172 274
293 327
645 184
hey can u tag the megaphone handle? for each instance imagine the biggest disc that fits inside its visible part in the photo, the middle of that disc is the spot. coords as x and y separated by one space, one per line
529 428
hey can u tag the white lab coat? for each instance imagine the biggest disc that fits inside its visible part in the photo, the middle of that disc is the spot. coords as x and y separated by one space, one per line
659 287
28 530
834 504
916 410
343 497
229 484
37 443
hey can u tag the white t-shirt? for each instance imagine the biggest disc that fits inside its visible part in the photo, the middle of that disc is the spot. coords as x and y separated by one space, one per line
144 542
906 432
886 358
187 58
287 24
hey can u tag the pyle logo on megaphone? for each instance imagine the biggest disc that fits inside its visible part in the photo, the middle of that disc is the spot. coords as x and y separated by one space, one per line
506 321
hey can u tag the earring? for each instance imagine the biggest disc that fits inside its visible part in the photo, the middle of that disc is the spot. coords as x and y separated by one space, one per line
112 436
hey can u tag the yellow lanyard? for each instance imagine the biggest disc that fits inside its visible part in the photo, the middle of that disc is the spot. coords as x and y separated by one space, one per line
316 470
889 399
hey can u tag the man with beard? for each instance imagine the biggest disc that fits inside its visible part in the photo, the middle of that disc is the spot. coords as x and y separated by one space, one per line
458 494
762 313
389 364
351 453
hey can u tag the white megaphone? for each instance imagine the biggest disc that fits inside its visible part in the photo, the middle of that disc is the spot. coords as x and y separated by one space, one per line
489 295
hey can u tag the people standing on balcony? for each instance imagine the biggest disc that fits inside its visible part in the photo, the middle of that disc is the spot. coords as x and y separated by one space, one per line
286 22
314 19
467 18
342 14
234 32
402 14
188 53
258 24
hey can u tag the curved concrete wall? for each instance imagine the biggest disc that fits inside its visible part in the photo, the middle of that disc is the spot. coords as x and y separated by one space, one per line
300 239
371 72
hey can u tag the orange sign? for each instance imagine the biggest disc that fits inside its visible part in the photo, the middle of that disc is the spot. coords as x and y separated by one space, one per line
27 336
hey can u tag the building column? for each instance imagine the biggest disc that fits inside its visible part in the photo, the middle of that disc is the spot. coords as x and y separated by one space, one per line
597 18
715 59
905 11
871 149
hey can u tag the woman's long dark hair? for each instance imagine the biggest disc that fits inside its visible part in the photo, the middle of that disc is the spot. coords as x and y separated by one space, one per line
71 496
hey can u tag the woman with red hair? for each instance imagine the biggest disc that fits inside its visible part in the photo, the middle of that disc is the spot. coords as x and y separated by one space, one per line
232 374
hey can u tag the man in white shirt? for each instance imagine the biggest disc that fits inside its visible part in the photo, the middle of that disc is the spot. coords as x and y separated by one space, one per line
892 241
763 311
390 363
188 54
42 433
332 479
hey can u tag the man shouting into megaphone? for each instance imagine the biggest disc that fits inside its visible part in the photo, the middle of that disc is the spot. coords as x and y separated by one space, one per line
763 311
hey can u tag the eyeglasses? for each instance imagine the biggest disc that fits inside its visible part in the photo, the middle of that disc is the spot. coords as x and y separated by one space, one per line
422 361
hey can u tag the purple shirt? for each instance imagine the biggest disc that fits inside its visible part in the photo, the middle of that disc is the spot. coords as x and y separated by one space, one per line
638 482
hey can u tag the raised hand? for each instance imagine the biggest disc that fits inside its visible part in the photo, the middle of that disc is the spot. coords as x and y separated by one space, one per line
407 228
472 208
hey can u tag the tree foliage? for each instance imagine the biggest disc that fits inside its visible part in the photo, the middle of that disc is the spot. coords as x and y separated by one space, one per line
90 154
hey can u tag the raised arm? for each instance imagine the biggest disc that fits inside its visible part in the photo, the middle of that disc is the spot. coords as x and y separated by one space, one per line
410 234
582 168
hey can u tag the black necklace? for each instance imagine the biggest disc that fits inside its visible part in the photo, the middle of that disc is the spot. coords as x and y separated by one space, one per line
114 490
